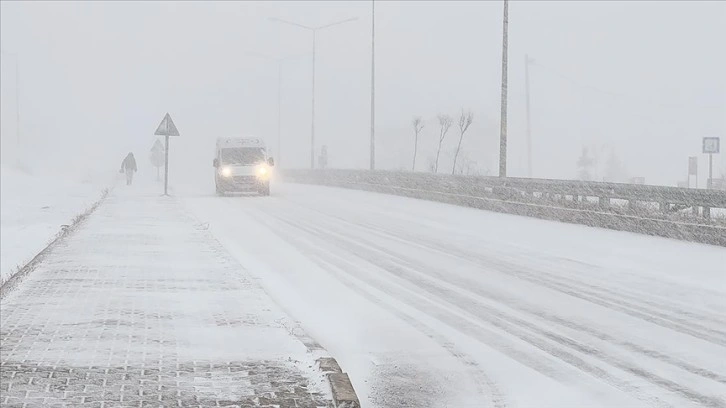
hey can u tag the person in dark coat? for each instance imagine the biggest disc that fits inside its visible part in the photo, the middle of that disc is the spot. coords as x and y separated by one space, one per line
128 166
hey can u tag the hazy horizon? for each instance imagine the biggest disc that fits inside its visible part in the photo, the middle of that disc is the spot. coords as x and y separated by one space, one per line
643 79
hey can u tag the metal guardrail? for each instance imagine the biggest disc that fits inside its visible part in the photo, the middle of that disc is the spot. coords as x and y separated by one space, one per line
631 192
581 202
605 191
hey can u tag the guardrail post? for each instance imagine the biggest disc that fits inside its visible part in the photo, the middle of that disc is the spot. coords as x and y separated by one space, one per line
663 207
632 204
707 213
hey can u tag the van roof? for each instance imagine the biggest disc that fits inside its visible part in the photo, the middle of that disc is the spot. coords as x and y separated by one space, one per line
240 142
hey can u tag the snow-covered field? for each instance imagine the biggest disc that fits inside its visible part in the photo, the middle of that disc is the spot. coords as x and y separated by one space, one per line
432 305
33 208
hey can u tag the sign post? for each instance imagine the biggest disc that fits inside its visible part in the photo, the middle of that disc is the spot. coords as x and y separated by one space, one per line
166 128
711 145
157 157
323 159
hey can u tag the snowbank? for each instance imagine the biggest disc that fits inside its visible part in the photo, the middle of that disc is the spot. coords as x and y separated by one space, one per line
34 208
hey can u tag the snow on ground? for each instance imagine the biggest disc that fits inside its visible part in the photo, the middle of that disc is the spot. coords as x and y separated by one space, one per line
432 305
141 305
33 208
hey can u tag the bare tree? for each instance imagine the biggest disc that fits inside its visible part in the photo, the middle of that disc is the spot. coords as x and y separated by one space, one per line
417 124
445 123
464 122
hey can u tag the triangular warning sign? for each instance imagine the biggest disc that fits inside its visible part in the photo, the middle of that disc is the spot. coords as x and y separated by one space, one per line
167 127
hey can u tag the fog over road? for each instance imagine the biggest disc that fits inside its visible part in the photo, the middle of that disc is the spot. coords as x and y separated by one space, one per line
423 304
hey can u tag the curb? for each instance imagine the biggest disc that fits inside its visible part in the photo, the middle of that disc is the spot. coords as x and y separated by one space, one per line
66 230
344 395
341 388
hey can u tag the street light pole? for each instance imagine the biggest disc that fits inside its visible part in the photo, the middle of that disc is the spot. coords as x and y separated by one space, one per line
528 61
17 94
373 84
503 119
279 112
314 31
278 61
17 98
312 121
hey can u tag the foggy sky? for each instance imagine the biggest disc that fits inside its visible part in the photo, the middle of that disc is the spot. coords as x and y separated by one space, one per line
644 79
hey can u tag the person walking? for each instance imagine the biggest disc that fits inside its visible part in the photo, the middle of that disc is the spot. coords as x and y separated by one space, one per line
128 166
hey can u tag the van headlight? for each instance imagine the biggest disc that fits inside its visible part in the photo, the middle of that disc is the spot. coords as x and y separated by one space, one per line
262 171
226 172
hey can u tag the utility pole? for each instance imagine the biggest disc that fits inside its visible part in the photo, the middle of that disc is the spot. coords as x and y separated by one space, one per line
528 61
503 119
279 111
373 84
314 31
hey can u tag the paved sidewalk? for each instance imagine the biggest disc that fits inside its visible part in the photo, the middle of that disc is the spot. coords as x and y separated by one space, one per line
142 307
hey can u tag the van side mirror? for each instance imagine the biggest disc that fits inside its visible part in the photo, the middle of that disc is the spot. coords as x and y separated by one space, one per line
215 163
271 161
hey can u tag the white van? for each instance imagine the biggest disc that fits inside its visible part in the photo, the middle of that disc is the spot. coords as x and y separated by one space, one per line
242 165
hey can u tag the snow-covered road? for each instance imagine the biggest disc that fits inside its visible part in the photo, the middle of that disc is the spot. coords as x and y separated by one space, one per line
431 305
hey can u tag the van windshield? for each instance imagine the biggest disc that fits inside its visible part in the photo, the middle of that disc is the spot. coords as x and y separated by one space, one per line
244 156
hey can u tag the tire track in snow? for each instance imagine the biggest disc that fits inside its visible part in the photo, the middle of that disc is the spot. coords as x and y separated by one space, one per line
502 344
586 292
589 293
636 300
513 303
468 285
587 350
486 385
623 365
628 293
